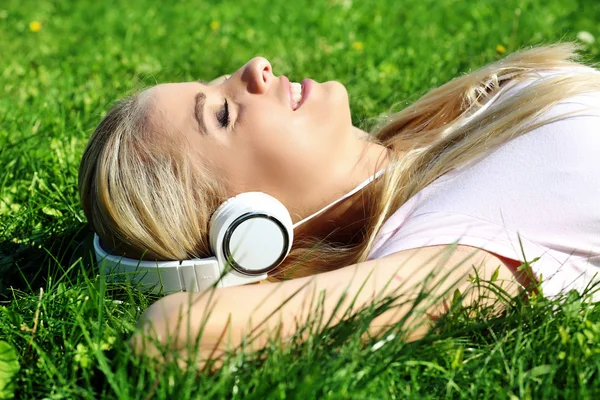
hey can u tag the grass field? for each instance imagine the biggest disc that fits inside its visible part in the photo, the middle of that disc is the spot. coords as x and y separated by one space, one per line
63 330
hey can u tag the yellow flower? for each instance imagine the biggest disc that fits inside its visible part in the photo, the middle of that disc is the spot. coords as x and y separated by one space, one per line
500 49
358 46
214 25
35 26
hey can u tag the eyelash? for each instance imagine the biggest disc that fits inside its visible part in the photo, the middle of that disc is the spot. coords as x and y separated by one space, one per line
223 115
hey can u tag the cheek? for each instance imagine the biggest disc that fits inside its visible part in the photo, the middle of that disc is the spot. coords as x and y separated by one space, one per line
275 151
278 161
282 154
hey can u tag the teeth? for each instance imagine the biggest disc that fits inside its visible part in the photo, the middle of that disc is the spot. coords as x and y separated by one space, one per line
296 91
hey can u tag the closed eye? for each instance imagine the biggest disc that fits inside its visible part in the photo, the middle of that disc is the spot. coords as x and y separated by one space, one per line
223 115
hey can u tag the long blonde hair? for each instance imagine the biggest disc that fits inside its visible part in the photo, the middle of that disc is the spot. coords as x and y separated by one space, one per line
148 198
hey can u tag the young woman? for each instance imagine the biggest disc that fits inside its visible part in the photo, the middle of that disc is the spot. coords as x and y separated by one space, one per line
502 162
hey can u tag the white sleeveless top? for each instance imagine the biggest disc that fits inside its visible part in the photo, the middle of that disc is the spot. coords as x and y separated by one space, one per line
535 196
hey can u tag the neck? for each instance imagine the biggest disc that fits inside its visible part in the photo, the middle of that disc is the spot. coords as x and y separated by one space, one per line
342 223
345 222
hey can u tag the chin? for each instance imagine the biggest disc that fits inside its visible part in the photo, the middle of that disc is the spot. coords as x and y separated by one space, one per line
338 95
336 88
338 106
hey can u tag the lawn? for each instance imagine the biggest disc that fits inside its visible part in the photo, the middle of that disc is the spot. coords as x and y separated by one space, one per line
63 329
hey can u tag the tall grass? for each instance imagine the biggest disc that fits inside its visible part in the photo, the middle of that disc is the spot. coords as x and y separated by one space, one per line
64 330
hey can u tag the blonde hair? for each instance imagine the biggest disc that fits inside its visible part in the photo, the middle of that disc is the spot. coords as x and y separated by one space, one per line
141 194
150 198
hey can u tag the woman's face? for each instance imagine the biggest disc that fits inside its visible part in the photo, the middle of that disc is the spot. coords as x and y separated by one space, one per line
247 131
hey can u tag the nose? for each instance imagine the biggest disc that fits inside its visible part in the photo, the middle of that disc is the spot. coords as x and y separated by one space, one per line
258 75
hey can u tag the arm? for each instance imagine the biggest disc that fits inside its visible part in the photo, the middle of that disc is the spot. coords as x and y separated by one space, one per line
177 319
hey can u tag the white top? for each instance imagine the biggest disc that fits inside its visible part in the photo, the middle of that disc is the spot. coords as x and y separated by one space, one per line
543 187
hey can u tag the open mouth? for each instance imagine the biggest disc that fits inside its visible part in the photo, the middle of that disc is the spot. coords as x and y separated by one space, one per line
296 92
299 92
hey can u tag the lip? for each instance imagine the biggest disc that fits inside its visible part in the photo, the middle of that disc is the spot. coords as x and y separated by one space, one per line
307 85
306 88
288 87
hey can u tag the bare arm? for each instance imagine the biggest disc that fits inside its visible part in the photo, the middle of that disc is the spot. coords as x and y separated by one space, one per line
282 307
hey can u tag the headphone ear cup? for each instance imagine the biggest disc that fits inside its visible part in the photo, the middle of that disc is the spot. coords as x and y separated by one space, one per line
252 232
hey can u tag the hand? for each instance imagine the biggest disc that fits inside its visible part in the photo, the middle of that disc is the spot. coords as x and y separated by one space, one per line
218 80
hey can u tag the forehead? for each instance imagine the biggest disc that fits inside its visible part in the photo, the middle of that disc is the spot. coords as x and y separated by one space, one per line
173 101
172 104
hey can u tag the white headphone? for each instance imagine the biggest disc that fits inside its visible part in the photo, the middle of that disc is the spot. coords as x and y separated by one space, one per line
250 235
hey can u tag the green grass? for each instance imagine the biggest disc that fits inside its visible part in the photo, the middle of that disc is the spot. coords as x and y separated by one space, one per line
70 338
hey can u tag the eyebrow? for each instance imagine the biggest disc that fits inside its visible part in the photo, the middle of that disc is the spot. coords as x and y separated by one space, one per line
200 99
